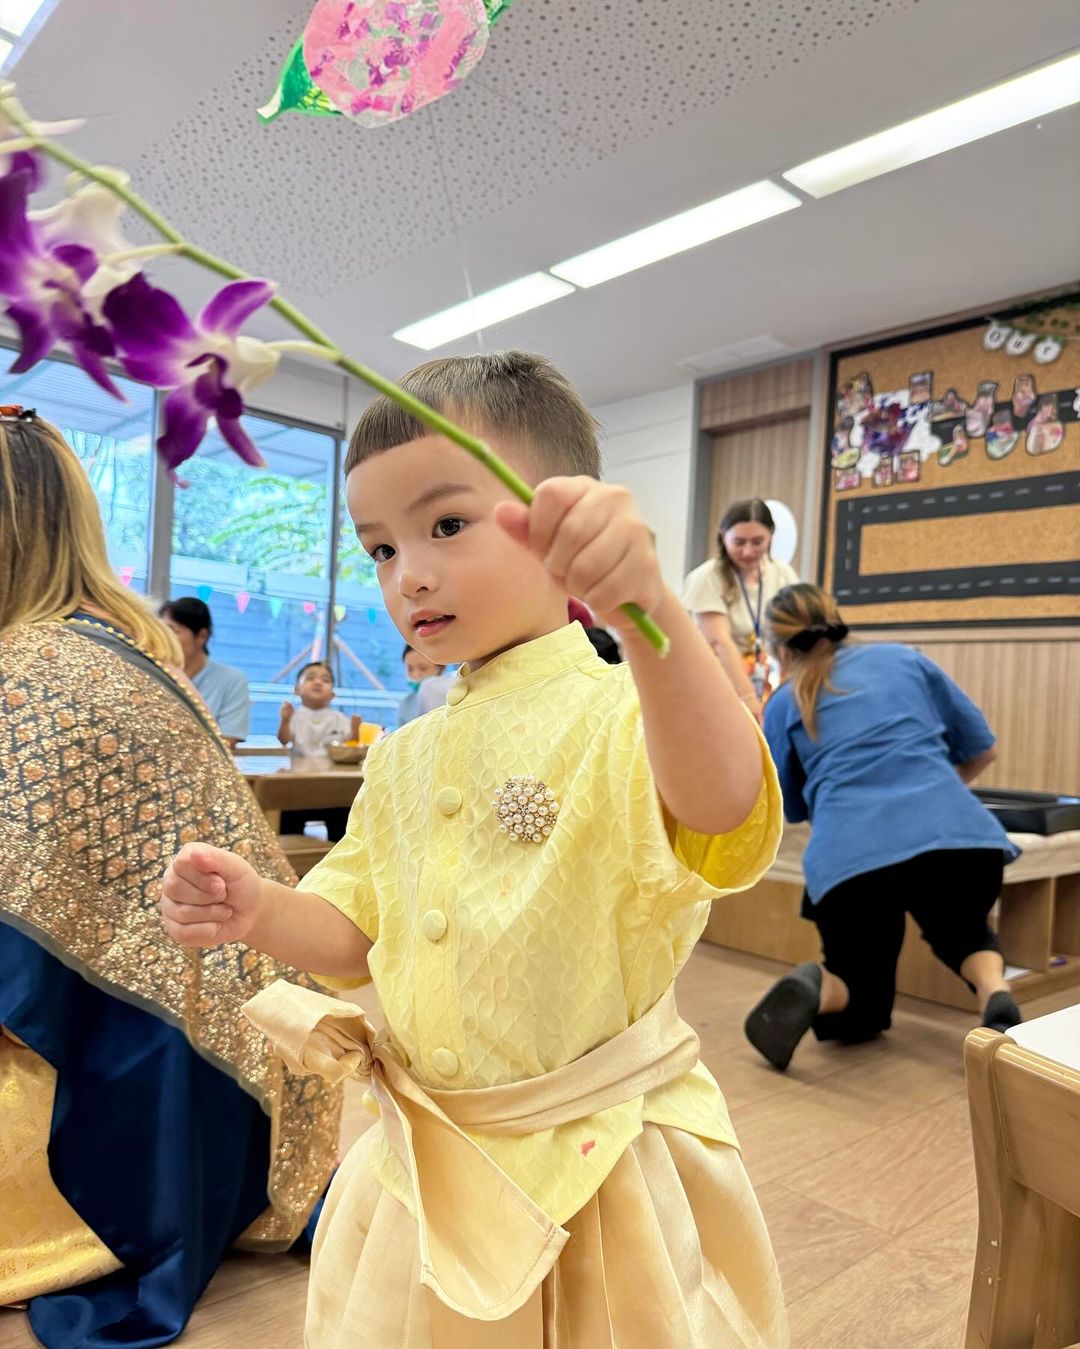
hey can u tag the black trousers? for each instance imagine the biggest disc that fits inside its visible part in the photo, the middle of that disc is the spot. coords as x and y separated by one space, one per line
861 922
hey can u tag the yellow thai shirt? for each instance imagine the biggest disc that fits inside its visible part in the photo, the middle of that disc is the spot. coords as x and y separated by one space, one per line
499 955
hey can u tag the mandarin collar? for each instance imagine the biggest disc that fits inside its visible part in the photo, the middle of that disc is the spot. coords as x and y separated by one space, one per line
521 666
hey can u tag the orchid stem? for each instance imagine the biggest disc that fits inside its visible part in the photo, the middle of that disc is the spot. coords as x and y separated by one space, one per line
319 344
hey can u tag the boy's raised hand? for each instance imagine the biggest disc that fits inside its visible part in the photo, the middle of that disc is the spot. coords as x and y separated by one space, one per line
209 896
589 535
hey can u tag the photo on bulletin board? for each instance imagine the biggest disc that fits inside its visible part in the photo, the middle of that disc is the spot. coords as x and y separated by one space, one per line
952 489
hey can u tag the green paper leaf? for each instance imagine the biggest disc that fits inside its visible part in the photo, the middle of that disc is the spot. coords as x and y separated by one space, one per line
496 9
297 91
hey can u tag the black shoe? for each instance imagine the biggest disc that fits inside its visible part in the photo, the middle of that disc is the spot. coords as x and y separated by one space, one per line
1001 1012
785 1014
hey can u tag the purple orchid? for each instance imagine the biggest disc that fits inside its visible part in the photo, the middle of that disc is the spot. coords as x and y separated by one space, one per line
208 365
49 279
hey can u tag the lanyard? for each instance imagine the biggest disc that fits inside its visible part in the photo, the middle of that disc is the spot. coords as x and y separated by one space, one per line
755 619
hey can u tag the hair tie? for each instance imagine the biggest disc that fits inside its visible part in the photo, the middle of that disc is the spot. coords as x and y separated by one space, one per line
15 412
809 637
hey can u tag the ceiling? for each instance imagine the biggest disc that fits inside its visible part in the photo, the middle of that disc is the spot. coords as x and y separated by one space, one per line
585 120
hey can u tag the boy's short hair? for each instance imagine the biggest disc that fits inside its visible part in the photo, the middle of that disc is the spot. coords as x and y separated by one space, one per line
315 665
512 393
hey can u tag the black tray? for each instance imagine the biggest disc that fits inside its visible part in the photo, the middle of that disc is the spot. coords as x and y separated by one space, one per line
1031 812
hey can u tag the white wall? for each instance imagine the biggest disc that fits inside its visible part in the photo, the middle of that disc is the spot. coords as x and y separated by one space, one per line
646 447
312 393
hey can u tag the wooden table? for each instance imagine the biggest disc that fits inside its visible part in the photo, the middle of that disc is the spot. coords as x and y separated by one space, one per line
279 787
281 783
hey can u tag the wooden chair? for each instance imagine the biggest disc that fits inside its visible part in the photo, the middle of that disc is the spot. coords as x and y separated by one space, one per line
276 792
303 851
1025 1125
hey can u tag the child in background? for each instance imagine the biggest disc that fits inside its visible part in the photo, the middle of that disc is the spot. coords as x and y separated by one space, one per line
428 686
525 872
308 731
310 728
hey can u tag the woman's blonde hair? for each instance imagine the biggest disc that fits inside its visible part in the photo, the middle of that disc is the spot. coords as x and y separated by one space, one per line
805 620
53 558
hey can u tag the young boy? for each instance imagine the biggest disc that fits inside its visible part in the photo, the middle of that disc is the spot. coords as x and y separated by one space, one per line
525 872
314 725
307 730
428 686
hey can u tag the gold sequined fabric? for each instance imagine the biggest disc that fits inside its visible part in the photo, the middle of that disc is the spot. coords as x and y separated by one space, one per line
44 1244
106 769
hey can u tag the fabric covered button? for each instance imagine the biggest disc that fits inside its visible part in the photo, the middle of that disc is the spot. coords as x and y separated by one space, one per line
456 693
433 924
448 800
444 1061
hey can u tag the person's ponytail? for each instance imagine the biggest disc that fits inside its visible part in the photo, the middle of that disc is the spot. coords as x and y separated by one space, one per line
806 621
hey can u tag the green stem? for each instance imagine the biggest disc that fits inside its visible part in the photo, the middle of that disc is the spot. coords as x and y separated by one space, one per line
321 345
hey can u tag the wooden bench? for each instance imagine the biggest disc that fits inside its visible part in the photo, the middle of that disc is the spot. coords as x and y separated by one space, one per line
1025 1126
1038 921
333 789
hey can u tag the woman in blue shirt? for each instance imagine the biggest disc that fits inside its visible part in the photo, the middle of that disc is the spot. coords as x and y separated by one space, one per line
874 745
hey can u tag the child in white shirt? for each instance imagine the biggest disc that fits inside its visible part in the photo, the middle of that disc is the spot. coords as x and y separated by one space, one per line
308 731
313 726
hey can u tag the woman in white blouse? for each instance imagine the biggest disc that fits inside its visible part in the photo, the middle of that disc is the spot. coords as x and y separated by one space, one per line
729 594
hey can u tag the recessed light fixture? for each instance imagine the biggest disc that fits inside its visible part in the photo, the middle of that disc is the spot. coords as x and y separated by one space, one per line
677 233
1004 105
19 22
484 311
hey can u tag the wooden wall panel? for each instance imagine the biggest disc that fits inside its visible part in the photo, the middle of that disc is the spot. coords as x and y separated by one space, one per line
759 395
1029 692
766 460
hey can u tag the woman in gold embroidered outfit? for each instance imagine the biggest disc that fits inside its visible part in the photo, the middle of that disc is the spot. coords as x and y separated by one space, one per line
144 1124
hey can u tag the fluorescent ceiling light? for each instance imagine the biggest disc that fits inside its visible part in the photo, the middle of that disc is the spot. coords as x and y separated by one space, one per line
15 15
1010 104
483 311
690 228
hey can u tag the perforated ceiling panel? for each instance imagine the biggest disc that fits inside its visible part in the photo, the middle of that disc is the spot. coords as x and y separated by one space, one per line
562 87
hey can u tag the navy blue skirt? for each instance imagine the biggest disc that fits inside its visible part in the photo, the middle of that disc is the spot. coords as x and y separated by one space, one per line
164 1156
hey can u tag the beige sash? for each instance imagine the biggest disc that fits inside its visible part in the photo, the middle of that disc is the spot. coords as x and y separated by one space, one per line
485 1246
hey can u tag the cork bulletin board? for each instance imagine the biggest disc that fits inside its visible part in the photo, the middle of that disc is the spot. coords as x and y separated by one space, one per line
953 474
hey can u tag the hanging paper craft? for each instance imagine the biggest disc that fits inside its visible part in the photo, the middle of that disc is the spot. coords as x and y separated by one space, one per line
125 574
339 612
275 606
296 90
309 608
243 599
204 593
388 50
381 61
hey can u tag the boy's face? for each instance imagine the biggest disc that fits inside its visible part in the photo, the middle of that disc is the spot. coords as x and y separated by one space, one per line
456 585
418 667
316 687
190 643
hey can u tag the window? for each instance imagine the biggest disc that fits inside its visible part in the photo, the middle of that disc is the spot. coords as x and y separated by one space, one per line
368 667
115 443
254 544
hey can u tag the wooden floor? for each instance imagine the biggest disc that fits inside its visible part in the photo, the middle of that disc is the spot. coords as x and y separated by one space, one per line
860 1156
